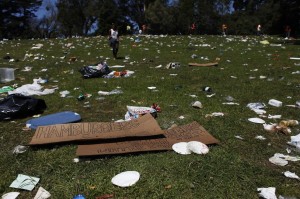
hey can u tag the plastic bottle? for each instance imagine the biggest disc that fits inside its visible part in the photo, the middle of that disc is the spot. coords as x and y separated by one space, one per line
79 197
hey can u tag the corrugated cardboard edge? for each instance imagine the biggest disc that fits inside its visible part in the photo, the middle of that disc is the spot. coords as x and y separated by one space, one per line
143 126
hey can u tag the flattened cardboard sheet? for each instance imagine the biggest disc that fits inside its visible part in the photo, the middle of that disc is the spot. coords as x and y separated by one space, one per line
143 126
185 133
206 64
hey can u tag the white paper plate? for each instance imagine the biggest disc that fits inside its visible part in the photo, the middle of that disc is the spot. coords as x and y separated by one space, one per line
126 179
181 148
197 147
256 120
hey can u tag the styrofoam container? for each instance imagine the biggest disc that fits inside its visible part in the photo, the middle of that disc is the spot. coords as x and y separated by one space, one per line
274 102
7 75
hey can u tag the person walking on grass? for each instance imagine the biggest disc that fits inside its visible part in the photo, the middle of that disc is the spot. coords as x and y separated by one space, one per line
114 40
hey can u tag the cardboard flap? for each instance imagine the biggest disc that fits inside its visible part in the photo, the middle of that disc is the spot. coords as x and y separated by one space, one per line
143 126
185 133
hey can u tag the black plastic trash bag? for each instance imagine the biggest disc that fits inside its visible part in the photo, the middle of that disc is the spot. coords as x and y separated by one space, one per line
98 70
20 106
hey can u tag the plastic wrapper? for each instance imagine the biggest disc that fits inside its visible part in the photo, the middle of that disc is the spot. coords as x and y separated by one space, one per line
19 106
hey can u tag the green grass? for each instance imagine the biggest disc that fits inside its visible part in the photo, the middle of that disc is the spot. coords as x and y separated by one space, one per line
233 169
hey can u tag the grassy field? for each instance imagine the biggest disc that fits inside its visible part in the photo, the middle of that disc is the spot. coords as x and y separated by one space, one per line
248 71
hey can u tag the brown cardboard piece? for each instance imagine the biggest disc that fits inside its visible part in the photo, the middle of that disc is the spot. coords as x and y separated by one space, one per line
143 126
206 64
185 133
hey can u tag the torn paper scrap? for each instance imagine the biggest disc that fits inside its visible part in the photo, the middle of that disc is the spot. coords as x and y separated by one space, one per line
24 182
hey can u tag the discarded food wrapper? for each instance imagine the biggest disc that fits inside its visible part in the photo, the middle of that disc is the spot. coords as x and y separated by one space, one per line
24 182
126 179
257 120
267 193
42 194
274 102
291 175
10 195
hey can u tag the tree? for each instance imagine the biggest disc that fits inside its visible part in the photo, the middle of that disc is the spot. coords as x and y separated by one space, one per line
15 17
48 24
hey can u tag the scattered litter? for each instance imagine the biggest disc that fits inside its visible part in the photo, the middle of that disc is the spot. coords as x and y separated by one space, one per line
267 193
20 149
270 127
64 93
197 104
295 58
10 195
282 160
295 141
291 175
274 102
76 160
197 147
5 89
215 114
274 116
126 179
186 148
239 137
42 194
264 42
257 120
181 117
80 196
230 103
151 87
24 182
260 137
173 65
205 64
32 89
113 92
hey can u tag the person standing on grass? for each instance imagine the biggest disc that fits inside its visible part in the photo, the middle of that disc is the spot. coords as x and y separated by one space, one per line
258 30
287 32
224 29
114 40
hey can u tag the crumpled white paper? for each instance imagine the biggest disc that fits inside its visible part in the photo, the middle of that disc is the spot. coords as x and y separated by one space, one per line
267 193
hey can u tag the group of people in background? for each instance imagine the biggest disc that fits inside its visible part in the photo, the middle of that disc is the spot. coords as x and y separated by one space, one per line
114 34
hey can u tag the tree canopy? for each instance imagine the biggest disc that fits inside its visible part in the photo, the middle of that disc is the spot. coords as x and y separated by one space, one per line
94 17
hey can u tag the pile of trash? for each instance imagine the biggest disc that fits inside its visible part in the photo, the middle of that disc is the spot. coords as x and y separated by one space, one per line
102 70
